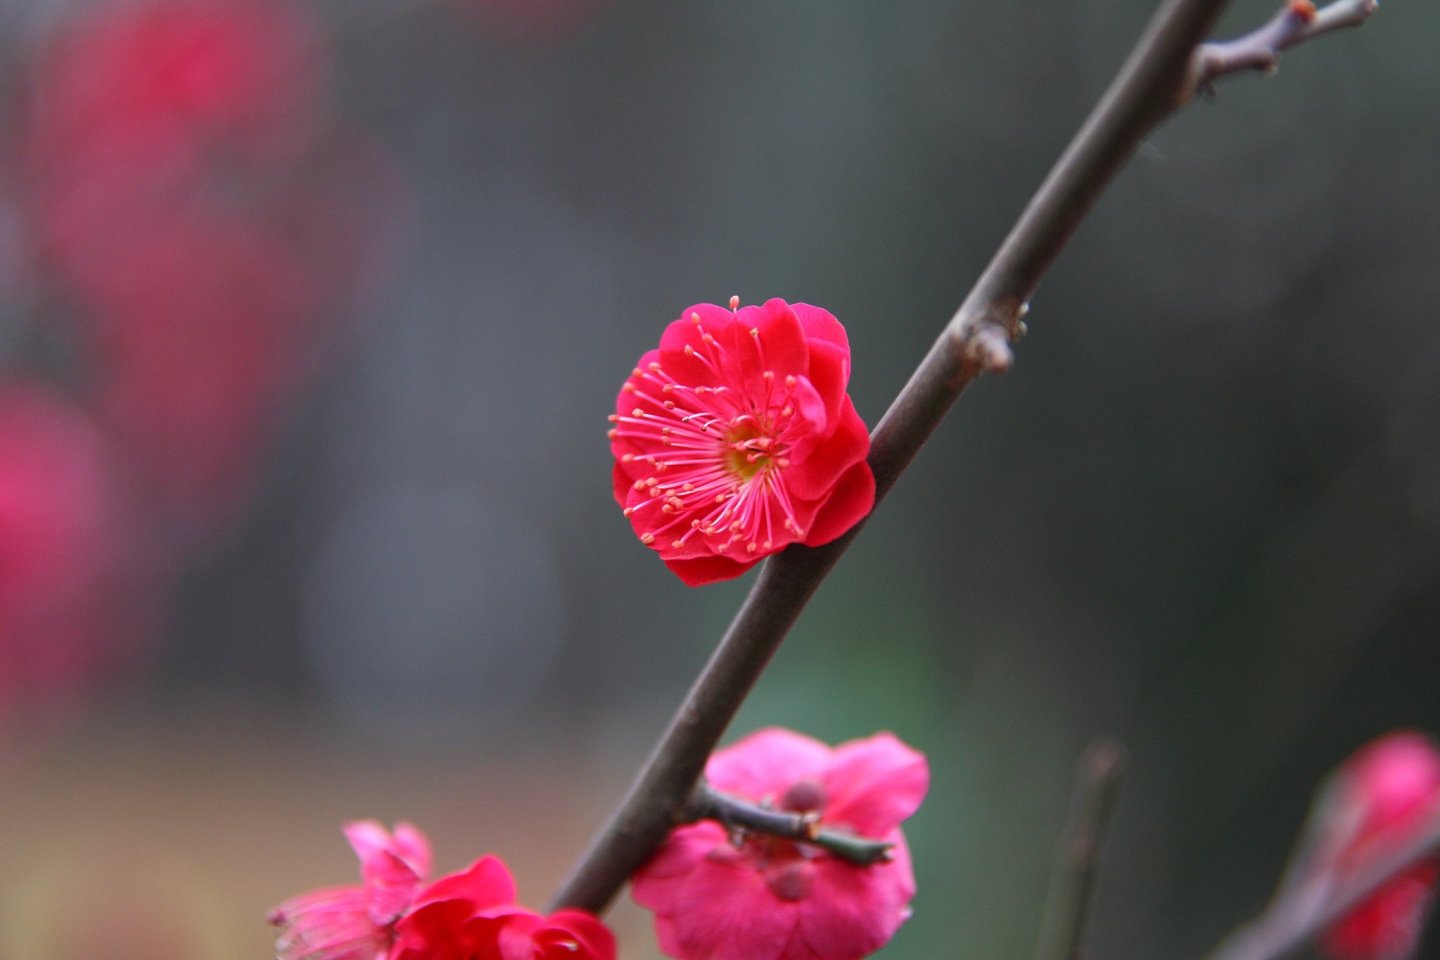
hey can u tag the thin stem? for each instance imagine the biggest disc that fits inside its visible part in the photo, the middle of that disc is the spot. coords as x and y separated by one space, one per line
1260 49
1097 778
1304 910
1160 75
744 817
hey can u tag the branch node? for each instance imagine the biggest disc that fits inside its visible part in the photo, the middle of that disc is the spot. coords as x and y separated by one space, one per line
988 347
743 819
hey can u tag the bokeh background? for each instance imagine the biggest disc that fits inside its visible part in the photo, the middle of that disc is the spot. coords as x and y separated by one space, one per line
311 315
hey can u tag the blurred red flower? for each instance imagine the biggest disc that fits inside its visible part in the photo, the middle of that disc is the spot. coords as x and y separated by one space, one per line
473 916
181 180
1385 794
391 915
737 438
147 94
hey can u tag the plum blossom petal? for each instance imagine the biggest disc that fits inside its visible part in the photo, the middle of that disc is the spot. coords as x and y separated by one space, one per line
485 883
356 922
817 477
850 501
725 894
732 438
391 867
698 571
564 935
329 924
766 763
863 918
829 354
876 783
472 915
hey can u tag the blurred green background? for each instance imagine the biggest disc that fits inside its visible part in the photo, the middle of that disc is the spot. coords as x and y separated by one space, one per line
1202 514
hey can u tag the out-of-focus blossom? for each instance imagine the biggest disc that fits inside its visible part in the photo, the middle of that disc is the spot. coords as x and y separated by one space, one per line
197 360
468 915
357 922
473 916
774 899
151 92
65 611
737 438
1384 795
156 119
181 181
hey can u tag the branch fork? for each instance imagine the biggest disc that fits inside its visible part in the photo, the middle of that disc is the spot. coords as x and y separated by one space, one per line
1297 21
985 346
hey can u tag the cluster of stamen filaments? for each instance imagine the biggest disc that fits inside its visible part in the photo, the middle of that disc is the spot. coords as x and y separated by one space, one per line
719 475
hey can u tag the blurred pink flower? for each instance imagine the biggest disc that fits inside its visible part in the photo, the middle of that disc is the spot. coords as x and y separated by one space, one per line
66 612
392 915
182 185
772 899
357 922
147 92
736 438
1385 794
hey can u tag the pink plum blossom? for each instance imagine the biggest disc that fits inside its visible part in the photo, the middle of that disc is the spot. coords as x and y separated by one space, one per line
1384 795
774 899
736 438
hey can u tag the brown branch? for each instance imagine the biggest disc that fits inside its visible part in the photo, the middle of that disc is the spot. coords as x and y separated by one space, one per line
1304 910
1097 777
1296 22
1159 76
741 817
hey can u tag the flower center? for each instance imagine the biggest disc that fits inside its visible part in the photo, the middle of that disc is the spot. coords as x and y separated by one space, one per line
751 451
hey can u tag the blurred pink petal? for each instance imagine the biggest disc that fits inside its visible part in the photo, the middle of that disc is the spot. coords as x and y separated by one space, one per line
1385 794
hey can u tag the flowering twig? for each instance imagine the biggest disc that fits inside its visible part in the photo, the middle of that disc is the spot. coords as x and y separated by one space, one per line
1067 907
1260 49
1158 78
1304 910
741 817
